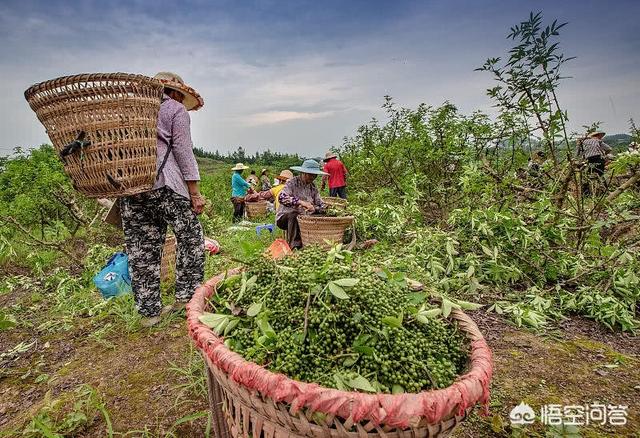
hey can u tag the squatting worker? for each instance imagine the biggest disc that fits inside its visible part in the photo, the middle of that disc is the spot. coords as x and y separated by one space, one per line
239 189
174 200
337 175
299 196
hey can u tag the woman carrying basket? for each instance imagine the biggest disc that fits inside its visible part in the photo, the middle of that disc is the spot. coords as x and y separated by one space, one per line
174 201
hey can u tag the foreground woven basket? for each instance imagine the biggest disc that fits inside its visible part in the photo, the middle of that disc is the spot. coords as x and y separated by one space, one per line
113 118
259 403
256 209
168 262
335 202
323 230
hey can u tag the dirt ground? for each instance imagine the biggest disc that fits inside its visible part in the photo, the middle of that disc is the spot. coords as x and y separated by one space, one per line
135 373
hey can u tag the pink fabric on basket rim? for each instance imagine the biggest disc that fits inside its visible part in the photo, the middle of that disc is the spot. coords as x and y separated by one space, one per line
401 410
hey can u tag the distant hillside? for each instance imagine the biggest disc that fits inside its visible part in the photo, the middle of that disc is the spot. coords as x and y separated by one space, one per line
617 139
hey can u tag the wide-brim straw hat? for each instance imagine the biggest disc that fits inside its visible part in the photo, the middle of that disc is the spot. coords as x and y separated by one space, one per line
329 155
263 171
239 166
285 175
309 166
192 99
595 134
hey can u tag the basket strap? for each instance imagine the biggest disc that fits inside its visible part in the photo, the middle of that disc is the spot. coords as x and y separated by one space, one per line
164 160
78 144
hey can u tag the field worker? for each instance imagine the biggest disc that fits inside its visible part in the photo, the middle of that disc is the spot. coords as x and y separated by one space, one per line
336 175
634 148
174 200
264 179
239 188
593 150
535 163
299 196
284 176
271 195
253 179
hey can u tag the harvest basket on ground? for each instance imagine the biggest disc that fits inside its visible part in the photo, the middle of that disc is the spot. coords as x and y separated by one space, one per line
256 209
335 202
168 262
248 400
103 125
324 230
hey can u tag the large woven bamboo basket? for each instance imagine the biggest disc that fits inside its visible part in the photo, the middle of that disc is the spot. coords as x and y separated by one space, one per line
104 127
248 400
335 202
168 262
256 209
323 230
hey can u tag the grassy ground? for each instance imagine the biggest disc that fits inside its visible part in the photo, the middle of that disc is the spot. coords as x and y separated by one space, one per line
77 366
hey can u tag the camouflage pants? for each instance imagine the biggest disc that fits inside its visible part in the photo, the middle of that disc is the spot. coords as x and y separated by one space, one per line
145 218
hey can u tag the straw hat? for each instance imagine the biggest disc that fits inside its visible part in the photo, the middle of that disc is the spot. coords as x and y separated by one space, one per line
285 175
329 155
263 171
595 134
239 166
309 166
192 99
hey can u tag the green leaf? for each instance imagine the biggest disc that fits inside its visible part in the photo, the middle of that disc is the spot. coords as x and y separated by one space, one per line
265 327
6 321
254 309
337 291
363 349
232 324
447 306
466 305
212 319
397 389
362 384
351 360
393 321
346 282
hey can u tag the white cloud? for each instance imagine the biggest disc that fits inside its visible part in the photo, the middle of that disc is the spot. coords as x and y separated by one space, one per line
271 117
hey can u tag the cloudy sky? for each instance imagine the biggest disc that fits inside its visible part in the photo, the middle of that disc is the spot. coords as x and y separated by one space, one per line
298 76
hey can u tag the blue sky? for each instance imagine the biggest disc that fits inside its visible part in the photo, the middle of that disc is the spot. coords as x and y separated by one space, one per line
298 76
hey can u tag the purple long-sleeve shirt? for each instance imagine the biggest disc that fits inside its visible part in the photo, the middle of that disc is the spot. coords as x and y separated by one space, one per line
294 191
174 127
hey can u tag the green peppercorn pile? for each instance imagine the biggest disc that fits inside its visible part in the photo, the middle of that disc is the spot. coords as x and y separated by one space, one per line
335 320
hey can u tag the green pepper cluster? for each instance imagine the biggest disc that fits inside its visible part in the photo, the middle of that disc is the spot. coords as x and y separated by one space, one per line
336 321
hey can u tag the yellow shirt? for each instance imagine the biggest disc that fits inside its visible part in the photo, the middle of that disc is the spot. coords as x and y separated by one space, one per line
275 191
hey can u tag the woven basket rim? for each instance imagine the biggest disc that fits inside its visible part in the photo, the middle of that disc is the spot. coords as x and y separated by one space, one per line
84 77
327 219
474 383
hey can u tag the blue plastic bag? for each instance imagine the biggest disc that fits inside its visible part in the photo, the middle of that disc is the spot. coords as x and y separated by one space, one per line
114 279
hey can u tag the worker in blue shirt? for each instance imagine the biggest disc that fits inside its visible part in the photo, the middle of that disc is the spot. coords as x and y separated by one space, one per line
239 189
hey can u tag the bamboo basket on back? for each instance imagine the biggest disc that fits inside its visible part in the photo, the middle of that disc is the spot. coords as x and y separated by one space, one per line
103 125
256 209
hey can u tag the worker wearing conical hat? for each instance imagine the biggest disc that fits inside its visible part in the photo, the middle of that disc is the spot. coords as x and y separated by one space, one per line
174 200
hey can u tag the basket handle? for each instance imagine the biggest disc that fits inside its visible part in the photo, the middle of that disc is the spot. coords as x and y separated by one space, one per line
78 144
